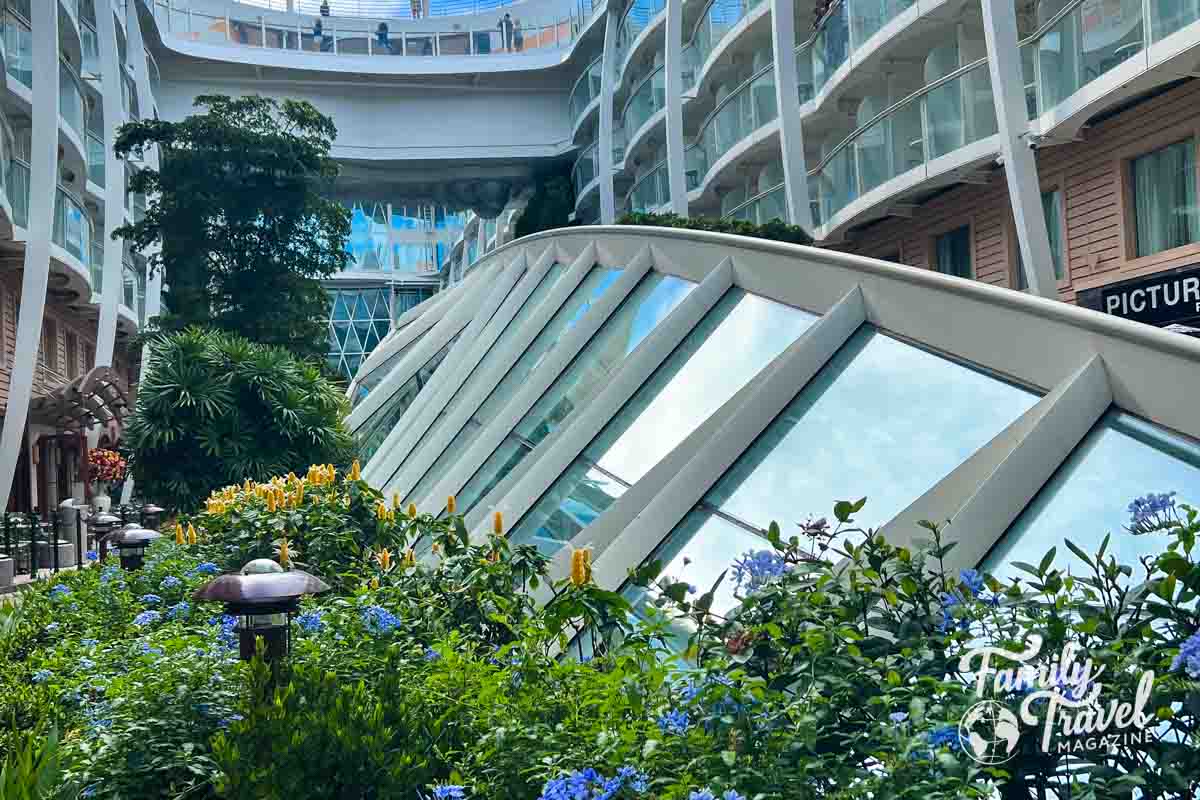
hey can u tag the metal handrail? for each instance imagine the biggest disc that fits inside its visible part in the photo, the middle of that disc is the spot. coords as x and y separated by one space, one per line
634 90
752 200
729 98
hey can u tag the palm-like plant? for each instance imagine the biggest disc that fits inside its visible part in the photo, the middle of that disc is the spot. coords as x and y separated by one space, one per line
214 409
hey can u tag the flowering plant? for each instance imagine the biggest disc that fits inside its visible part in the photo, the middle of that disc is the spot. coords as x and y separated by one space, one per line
106 465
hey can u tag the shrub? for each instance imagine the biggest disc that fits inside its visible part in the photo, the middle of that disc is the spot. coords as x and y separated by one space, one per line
214 409
775 230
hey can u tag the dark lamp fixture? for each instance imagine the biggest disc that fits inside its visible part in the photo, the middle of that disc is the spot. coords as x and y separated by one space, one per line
262 598
131 544
100 526
152 515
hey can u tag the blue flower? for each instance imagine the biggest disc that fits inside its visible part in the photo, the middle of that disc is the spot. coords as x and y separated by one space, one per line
1189 656
589 784
379 619
431 654
92 555
102 724
447 791
109 574
898 717
89 791
170 582
674 722
703 794
205 568
146 617
946 736
311 621
52 627
88 642
59 591
756 568
87 663
732 795
150 651
972 580
1151 510
180 610
232 718
151 599
42 675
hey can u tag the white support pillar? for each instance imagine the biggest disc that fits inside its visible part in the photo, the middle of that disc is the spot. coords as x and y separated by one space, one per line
676 176
114 184
141 78
787 99
43 179
1020 168
604 137
480 239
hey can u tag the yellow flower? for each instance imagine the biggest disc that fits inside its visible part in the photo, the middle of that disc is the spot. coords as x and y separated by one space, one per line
451 505
178 533
191 533
381 512
436 549
395 500
412 510
374 583
331 472
355 470
285 555
247 484
384 557
498 523
271 501
581 566
410 558
391 515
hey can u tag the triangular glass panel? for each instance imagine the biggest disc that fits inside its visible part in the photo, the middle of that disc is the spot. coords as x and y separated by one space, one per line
370 339
360 308
363 330
340 309
381 329
353 345
340 329
334 362
352 364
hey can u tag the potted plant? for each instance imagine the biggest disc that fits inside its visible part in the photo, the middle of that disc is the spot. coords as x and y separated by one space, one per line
106 467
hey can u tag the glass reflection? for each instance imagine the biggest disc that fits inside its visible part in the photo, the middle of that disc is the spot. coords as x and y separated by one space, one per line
1121 458
653 299
675 400
376 376
585 295
882 419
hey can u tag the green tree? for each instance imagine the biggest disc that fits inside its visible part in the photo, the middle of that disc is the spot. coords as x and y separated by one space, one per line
214 409
237 210
550 206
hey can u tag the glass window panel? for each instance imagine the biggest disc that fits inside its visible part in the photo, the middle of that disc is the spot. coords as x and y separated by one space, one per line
1121 458
582 298
1164 198
882 419
653 299
375 376
952 251
672 403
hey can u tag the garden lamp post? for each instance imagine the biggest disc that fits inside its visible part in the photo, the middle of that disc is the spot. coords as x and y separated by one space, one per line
131 543
262 598
100 526
152 516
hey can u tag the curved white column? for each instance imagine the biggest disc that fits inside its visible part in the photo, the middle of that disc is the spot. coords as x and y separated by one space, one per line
141 78
1020 169
114 184
43 178
787 100
604 138
673 67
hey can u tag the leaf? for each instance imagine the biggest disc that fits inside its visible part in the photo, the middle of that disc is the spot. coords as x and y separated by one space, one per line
1079 553
1047 560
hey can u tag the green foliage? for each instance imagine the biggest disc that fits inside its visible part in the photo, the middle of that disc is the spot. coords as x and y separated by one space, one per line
31 771
237 210
215 409
834 675
775 230
550 207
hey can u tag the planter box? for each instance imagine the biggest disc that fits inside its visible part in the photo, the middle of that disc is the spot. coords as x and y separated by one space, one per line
6 571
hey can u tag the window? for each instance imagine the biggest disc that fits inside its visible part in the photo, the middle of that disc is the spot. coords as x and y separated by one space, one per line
952 252
1164 198
1052 204
89 356
50 345
72 348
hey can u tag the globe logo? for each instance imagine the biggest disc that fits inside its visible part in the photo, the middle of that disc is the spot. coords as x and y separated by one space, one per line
989 733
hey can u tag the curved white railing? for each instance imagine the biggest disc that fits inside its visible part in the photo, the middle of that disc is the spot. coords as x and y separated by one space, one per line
647 99
637 16
585 170
652 191
17 181
70 98
938 119
72 227
358 37
763 207
18 48
745 110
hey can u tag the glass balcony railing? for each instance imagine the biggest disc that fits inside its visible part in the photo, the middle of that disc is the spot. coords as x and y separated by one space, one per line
867 17
18 191
652 191
91 49
715 22
804 73
96 267
768 205
586 169
635 20
585 90
1169 16
741 113
934 122
140 296
128 285
691 65
153 73
70 98
18 49
647 99
831 46
347 35
72 227
95 159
